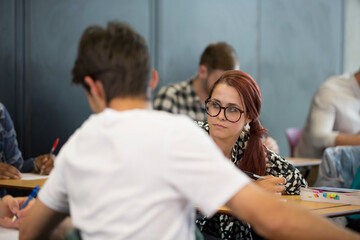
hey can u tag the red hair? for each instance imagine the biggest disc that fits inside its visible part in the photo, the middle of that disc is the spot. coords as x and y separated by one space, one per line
254 159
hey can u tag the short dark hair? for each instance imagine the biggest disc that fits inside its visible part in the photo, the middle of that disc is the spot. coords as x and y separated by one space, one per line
118 57
220 56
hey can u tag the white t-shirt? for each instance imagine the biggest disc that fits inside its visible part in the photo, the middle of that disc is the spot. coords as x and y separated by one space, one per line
335 109
138 175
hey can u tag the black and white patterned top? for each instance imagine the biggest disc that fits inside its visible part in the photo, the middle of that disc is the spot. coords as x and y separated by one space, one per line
181 98
228 227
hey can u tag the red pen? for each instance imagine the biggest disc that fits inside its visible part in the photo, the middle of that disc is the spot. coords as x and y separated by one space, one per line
51 152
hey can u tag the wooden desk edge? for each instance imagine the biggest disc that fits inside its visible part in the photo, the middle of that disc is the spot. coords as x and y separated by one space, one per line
21 184
304 162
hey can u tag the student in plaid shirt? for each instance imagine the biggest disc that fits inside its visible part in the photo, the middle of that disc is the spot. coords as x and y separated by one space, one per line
188 97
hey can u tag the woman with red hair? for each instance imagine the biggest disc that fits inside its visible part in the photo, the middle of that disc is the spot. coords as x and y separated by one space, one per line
233 109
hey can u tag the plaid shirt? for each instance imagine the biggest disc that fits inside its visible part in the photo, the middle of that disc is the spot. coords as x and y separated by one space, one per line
181 98
9 151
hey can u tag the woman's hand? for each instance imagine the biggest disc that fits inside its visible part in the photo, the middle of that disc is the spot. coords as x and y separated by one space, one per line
272 184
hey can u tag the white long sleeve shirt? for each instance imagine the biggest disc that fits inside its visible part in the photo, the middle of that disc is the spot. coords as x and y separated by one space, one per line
335 109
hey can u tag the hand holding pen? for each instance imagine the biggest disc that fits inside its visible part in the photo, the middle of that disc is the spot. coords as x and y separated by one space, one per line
270 183
253 175
32 195
46 162
8 207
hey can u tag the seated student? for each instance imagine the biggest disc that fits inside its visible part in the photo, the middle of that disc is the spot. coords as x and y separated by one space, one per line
10 206
132 173
234 102
11 161
188 97
334 118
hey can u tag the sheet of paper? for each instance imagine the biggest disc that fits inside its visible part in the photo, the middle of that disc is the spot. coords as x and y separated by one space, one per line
9 234
33 176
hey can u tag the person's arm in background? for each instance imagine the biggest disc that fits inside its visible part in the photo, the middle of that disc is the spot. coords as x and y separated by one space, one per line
322 119
10 155
275 219
10 206
342 139
11 160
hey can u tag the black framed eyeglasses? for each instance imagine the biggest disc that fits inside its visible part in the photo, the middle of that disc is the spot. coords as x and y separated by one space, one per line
231 113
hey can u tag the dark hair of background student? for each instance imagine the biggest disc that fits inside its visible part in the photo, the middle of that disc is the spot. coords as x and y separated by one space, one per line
219 56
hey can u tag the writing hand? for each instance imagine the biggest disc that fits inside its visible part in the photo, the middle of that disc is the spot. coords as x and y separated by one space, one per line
272 184
45 163
10 206
9 172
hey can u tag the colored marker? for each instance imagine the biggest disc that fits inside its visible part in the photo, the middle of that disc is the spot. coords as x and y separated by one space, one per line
253 176
51 152
31 196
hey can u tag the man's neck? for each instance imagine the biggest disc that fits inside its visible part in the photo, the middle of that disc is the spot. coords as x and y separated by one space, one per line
123 104
200 89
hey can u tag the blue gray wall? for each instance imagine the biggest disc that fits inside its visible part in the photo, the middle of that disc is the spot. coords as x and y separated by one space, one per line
289 46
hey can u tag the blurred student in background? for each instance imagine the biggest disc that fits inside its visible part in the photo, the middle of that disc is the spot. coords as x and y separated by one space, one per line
334 118
11 160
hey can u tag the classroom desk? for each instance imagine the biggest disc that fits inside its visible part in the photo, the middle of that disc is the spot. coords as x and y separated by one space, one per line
304 162
21 184
319 208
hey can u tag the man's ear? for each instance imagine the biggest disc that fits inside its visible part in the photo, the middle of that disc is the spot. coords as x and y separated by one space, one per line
154 79
96 95
202 72
96 87
91 84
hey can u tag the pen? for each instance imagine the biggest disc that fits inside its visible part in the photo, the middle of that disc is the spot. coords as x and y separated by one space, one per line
31 196
253 176
51 152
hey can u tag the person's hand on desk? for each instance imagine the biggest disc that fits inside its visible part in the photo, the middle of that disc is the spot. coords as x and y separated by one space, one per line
10 206
9 172
44 164
272 184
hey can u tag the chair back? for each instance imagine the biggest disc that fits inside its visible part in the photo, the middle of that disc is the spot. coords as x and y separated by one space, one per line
293 136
